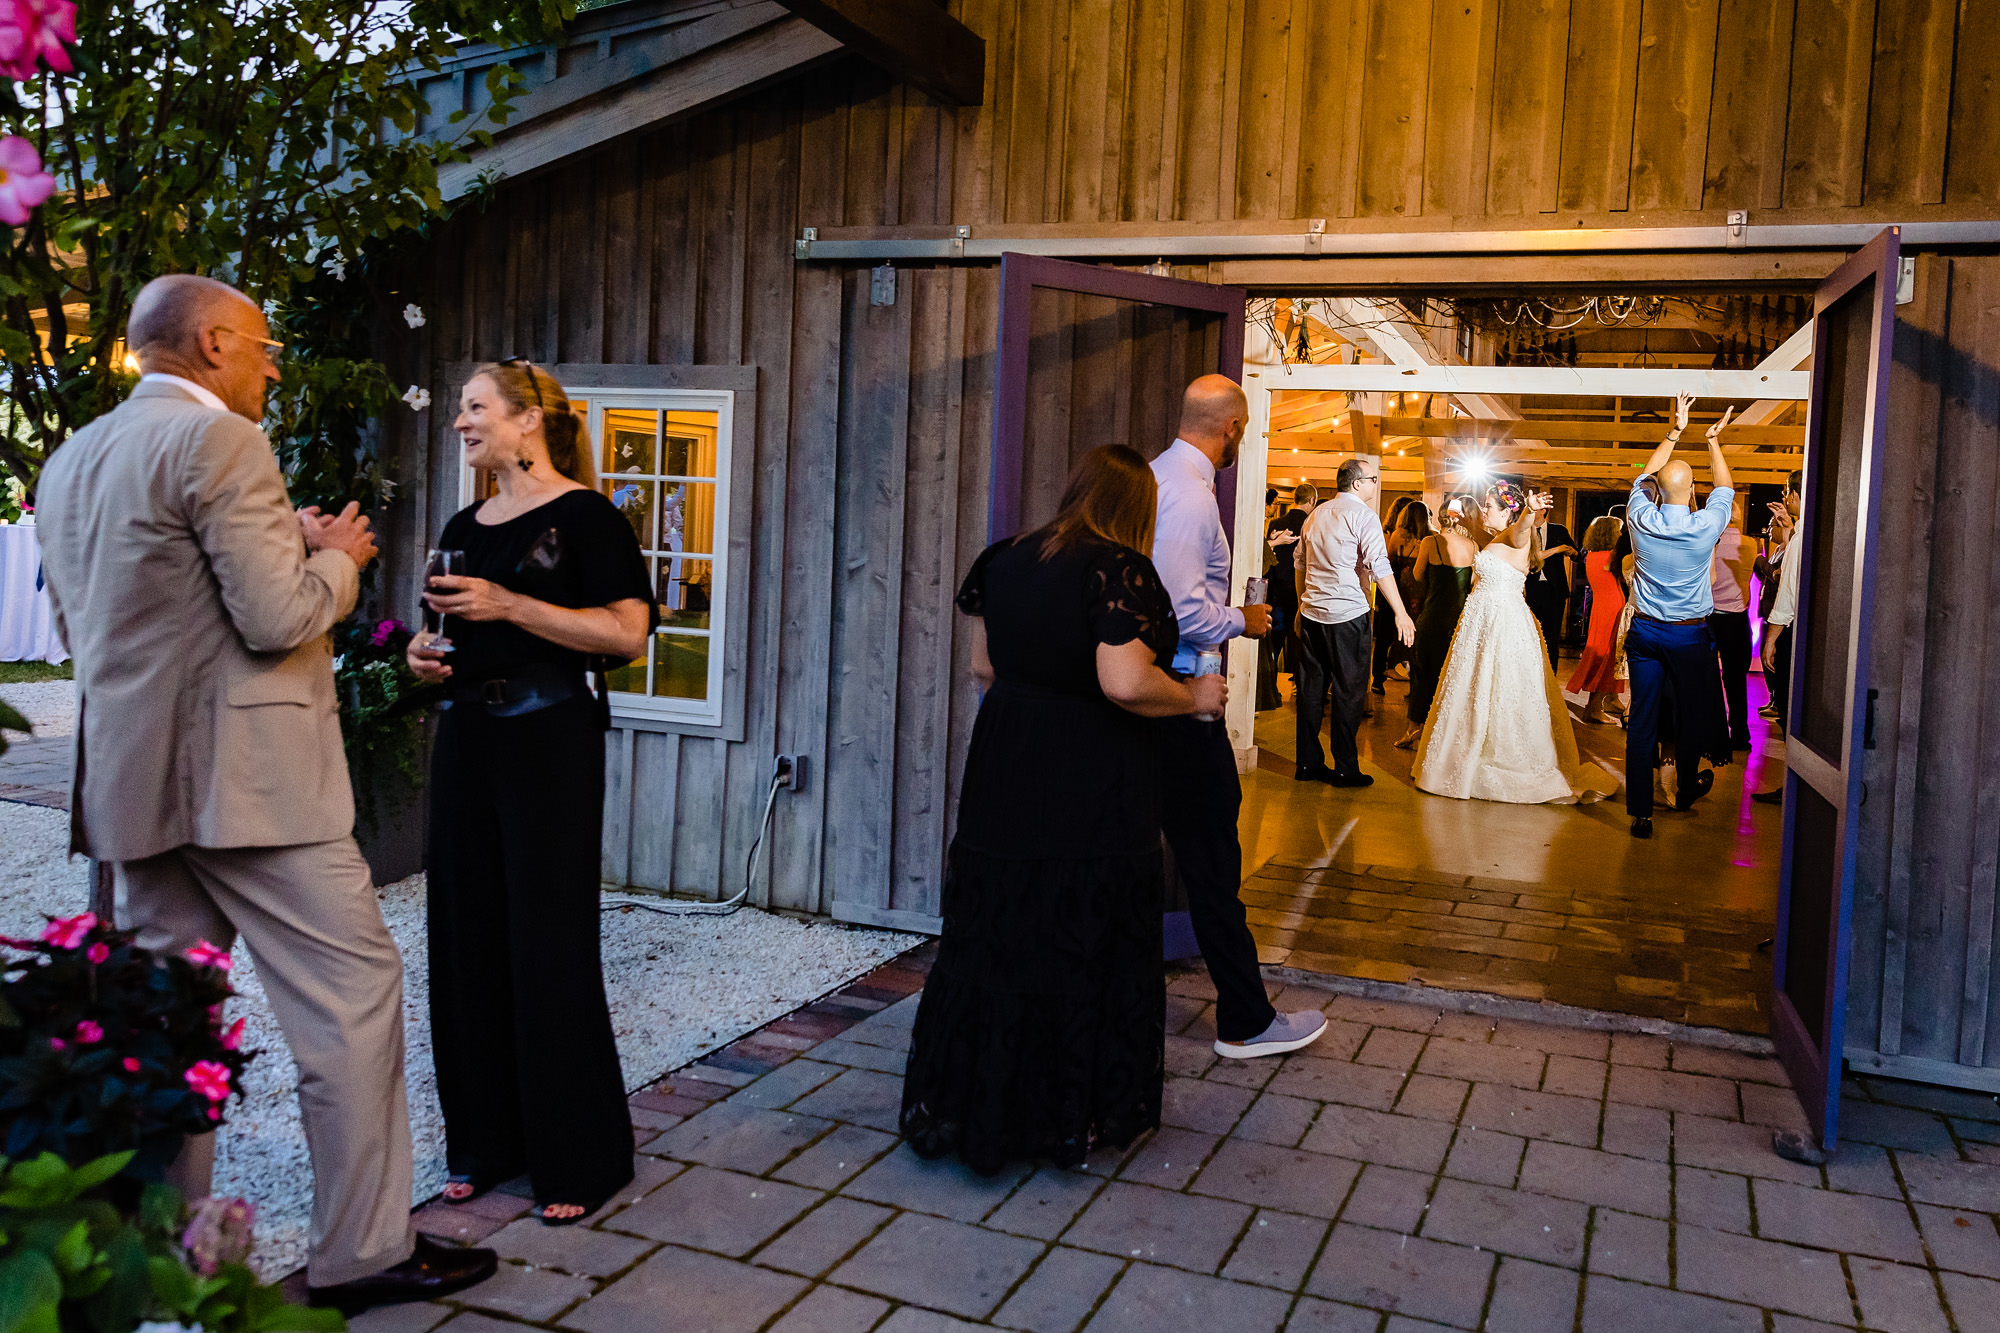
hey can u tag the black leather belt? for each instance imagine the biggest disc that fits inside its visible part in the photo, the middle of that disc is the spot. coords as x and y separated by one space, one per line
528 689
1641 615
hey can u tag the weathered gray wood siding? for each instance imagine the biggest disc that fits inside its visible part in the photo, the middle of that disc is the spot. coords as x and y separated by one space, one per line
1923 1000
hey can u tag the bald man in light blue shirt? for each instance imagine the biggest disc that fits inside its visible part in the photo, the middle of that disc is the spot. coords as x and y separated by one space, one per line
1670 649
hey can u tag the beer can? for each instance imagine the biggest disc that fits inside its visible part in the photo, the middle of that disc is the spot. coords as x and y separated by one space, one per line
1208 662
1256 591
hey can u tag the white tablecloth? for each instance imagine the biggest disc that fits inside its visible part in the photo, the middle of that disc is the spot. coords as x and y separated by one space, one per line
27 621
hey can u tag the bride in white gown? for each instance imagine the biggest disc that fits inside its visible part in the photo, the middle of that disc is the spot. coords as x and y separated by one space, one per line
1499 729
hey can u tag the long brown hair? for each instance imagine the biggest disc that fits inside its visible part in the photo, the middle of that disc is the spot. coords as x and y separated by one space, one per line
1513 499
1602 534
1111 495
522 385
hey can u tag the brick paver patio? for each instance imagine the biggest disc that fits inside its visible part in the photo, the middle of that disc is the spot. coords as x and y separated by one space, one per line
1416 1169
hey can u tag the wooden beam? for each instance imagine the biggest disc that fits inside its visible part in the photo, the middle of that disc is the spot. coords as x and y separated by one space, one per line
1636 432
915 40
1555 381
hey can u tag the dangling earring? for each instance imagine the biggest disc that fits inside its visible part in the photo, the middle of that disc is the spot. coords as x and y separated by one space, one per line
525 464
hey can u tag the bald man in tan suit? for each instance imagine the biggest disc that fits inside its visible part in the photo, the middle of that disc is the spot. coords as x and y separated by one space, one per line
209 767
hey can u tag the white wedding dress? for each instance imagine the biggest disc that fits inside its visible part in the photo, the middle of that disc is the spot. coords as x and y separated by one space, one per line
1499 729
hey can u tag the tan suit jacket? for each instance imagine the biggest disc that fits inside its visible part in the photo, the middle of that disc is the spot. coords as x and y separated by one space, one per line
199 625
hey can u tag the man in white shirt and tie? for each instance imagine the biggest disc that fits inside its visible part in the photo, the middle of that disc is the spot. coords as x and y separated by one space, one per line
1201 793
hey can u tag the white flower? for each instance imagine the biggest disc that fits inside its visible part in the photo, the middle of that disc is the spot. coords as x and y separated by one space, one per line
413 315
270 309
336 266
417 398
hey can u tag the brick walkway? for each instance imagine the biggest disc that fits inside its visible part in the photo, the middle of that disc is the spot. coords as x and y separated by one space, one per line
37 771
1415 1170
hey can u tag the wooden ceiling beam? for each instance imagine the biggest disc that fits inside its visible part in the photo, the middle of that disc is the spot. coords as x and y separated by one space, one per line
915 40
1473 430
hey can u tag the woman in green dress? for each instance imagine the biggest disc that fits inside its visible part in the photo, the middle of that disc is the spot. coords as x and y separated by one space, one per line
1443 575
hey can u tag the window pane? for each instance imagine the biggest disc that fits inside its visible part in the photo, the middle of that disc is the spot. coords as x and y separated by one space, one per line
680 666
634 499
628 679
628 440
687 517
685 588
690 444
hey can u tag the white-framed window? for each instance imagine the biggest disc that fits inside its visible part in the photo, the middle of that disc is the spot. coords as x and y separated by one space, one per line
664 458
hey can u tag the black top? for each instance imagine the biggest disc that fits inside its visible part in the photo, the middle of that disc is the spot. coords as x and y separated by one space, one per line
1281 573
577 550
1055 769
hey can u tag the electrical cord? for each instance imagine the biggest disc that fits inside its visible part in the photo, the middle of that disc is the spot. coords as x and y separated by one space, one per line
729 906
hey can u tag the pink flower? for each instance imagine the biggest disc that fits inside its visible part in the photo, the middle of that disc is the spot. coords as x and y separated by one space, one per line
57 1043
36 31
218 1231
210 1079
234 1037
97 953
23 183
88 1033
65 932
214 1113
204 954
383 632
131 1064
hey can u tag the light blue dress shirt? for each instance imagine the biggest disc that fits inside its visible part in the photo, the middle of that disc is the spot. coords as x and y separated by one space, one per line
1191 553
1674 548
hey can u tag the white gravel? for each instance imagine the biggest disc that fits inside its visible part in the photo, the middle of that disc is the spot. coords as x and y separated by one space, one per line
679 987
49 705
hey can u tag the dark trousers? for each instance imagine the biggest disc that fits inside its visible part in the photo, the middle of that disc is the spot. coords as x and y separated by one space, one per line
1388 648
1671 665
1731 631
1333 659
1198 813
1778 680
527 1068
1549 615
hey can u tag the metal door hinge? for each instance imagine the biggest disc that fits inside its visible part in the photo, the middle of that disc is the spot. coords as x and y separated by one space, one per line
1739 228
1906 279
959 236
1868 723
882 285
1315 235
802 248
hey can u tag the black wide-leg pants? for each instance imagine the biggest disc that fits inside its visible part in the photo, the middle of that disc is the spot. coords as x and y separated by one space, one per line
1200 795
527 1068
1731 631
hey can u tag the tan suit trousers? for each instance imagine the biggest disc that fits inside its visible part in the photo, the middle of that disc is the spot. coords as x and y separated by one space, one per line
335 981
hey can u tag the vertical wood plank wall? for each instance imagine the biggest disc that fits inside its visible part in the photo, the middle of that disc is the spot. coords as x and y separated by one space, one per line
1924 927
873 423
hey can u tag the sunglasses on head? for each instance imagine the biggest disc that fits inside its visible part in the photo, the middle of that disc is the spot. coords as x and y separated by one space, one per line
533 382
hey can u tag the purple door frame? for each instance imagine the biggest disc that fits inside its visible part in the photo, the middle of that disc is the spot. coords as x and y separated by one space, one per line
1812 1052
1019 276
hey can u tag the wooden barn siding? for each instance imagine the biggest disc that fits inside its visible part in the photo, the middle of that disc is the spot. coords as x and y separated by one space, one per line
1929 870
1482 112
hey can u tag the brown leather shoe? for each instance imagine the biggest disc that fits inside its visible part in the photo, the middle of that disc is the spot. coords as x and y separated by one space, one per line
432 1270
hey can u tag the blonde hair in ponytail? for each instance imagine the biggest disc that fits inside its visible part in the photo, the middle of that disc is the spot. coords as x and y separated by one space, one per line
522 385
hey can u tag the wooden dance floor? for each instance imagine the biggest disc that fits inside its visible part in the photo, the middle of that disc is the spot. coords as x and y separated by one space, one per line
1534 902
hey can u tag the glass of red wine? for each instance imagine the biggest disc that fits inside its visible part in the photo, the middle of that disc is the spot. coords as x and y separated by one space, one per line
442 564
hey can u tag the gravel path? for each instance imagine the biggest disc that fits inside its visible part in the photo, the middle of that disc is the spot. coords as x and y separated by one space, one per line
679 987
50 705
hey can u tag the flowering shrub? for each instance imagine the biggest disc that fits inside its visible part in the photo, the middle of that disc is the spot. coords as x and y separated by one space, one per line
105 1048
70 1259
381 706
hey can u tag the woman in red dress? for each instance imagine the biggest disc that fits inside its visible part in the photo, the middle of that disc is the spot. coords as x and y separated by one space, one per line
1596 674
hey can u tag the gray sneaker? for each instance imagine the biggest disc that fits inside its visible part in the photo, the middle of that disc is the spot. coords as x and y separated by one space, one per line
1288 1032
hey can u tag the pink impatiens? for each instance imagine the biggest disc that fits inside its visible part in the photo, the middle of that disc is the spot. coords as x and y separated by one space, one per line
35 33
204 954
97 953
65 932
88 1033
210 1078
233 1038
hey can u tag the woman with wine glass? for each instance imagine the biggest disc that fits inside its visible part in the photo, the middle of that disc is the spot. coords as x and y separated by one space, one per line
552 581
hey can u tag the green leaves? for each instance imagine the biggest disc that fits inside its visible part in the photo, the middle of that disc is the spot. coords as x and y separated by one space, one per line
46 1181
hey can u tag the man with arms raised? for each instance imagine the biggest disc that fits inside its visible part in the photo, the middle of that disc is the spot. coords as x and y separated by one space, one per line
209 768
1670 649
1201 791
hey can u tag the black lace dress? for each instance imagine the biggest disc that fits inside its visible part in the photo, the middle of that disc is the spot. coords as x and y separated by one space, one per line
1042 1030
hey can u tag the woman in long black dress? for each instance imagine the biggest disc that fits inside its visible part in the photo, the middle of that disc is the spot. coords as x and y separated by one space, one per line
1042 1031
1442 572
527 1067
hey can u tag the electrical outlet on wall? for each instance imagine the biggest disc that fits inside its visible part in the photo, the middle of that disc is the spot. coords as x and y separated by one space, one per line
789 772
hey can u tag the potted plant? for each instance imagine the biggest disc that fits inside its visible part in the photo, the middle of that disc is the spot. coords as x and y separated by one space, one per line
384 723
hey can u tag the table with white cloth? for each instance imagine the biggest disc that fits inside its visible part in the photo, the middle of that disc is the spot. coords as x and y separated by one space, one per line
27 618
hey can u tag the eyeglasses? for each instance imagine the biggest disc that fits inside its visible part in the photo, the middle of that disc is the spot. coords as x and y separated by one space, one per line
533 382
271 348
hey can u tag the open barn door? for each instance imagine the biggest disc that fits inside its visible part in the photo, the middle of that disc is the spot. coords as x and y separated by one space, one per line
1854 313
1092 356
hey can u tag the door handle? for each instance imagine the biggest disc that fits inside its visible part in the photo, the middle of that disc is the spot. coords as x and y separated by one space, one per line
1868 725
